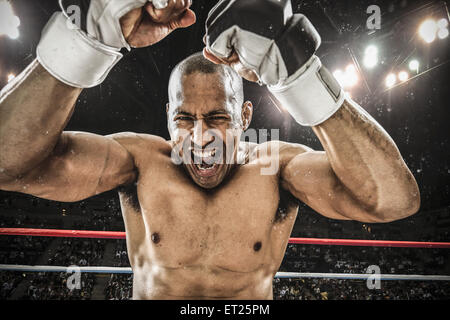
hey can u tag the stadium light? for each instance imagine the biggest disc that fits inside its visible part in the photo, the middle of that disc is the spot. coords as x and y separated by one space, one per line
13 33
403 76
428 30
371 57
442 24
9 23
443 33
371 50
351 75
338 74
11 77
391 79
348 78
414 65
370 62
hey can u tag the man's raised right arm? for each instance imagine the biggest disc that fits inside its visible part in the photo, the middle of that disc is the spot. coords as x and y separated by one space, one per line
36 156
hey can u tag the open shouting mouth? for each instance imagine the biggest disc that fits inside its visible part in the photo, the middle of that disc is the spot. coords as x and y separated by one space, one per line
206 162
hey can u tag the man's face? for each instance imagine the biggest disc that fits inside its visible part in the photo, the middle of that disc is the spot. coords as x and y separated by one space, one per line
205 124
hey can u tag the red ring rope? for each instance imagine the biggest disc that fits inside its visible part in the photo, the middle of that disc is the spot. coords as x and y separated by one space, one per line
121 235
62 233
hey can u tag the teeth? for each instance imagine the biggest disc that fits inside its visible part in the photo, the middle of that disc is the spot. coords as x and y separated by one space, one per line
204 153
204 167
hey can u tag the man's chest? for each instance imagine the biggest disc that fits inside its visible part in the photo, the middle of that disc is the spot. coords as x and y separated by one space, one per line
190 226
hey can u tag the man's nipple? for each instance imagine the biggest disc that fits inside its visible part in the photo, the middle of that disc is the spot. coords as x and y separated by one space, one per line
156 238
257 246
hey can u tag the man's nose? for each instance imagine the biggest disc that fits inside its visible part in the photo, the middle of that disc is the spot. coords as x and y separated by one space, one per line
201 134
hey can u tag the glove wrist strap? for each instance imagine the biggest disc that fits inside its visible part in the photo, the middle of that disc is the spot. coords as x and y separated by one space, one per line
311 95
73 57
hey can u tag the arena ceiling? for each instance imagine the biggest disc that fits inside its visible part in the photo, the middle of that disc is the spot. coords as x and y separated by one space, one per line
415 113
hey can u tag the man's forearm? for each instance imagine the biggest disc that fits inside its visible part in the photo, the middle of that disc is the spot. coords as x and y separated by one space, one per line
367 162
34 109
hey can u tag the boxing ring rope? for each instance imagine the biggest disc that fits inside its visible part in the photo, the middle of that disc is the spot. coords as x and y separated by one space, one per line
280 275
288 275
316 241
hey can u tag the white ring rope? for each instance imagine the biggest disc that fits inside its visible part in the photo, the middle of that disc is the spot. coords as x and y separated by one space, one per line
281 275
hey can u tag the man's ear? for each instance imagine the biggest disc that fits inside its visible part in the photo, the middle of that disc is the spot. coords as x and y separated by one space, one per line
168 122
247 114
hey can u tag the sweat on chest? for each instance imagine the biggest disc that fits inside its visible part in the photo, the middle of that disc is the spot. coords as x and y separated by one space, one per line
185 225
189 233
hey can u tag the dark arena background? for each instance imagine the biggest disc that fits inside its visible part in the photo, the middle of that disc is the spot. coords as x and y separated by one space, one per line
398 72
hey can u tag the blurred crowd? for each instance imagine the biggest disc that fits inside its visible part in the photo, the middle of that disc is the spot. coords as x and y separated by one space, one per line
21 251
28 221
120 285
53 286
70 252
346 259
330 259
333 289
298 258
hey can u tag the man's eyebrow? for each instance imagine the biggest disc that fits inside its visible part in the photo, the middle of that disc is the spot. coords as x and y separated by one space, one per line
216 112
209 114
184 113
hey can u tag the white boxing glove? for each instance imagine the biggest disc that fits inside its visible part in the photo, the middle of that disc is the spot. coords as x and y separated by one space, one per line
83 55
279 47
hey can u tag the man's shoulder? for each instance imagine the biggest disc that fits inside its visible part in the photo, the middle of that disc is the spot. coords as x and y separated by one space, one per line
278 148
140 143
272 154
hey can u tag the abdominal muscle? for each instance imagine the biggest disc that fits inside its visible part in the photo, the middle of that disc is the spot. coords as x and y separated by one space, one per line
200 282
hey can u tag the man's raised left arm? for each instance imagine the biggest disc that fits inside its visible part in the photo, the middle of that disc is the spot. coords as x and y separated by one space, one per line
361 175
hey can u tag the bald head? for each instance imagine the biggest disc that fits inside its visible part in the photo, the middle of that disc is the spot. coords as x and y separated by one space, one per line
197 63
206 111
